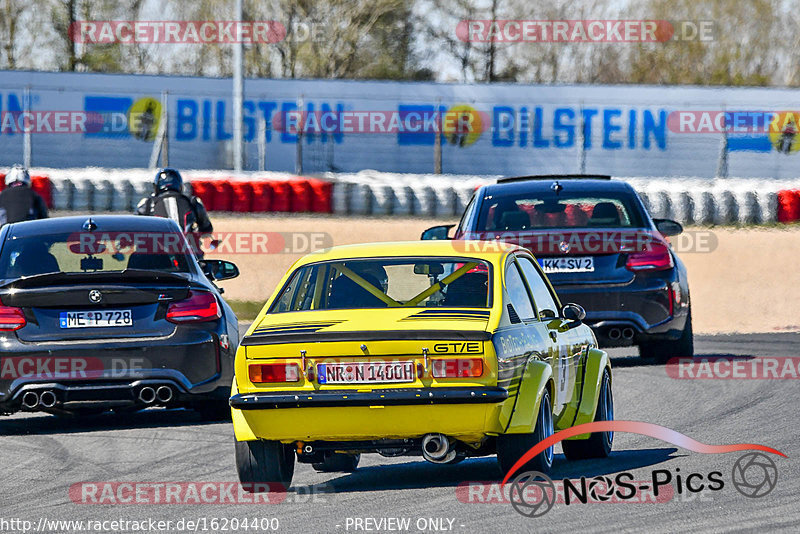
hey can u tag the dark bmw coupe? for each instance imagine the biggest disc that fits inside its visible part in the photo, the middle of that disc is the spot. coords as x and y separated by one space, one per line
599 247
111 312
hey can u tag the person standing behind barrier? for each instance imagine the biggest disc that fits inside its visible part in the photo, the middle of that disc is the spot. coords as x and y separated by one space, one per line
18 202
169 201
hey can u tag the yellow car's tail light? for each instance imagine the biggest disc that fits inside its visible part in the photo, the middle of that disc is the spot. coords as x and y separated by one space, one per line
457 368
274 372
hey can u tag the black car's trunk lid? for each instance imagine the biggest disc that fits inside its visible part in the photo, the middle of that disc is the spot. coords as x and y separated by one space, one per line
581 256
62 306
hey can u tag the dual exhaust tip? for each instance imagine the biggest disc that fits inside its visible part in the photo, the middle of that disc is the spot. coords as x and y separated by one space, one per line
33 399
149 395
626 333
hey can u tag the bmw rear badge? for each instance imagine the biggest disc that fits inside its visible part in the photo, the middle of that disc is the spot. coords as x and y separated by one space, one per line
95 296
563 247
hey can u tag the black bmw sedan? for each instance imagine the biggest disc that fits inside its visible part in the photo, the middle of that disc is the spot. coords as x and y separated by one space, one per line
599 247
111 312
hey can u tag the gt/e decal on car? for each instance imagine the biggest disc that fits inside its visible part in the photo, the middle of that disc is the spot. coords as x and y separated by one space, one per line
458 347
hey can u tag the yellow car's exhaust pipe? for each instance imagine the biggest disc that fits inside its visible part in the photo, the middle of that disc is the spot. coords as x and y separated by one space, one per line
438 449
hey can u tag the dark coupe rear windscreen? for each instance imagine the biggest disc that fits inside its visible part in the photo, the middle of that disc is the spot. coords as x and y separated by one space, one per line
83 252
537 210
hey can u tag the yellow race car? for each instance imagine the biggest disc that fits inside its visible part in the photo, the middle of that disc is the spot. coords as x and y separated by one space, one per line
445 349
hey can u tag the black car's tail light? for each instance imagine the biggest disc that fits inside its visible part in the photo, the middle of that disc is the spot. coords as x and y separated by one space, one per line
457 368
11 318
655 257
274 372
199 307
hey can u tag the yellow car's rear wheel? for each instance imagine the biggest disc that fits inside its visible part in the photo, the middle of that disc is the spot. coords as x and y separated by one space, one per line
599 444
511 447
264 465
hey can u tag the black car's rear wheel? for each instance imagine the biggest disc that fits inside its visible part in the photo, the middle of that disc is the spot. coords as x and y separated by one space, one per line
264 465
338 463
662 351
511 447
599 443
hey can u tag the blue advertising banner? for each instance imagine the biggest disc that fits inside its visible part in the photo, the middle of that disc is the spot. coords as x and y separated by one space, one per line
102 120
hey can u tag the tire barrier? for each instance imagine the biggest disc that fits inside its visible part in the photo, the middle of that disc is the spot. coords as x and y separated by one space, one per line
402 200
262 197
359 199
788 206
424 201
300 196
223 195
687 200
62 194
321 196
103 196
769 207
381 199
445 202
281 199
42 185
83 195
242 197
341 198
683 206
124 199
704 208
749 210
204 190
141 189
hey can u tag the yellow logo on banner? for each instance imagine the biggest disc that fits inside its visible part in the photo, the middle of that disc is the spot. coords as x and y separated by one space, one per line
462 125
144 117
784 133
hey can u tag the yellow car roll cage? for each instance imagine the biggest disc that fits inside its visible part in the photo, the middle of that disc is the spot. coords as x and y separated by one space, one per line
390 302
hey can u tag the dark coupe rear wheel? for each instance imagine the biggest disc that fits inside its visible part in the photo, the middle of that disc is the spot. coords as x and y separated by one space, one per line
663 351
599 443
264 465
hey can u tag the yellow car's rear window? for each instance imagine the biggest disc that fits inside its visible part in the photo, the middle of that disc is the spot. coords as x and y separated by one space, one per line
387 283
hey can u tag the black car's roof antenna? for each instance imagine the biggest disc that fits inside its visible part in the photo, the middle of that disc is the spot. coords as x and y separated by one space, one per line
557 187
90 225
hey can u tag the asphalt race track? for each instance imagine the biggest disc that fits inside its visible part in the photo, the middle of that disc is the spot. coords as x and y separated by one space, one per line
42 456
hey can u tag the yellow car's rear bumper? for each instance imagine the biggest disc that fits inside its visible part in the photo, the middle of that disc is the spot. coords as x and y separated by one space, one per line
463 413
